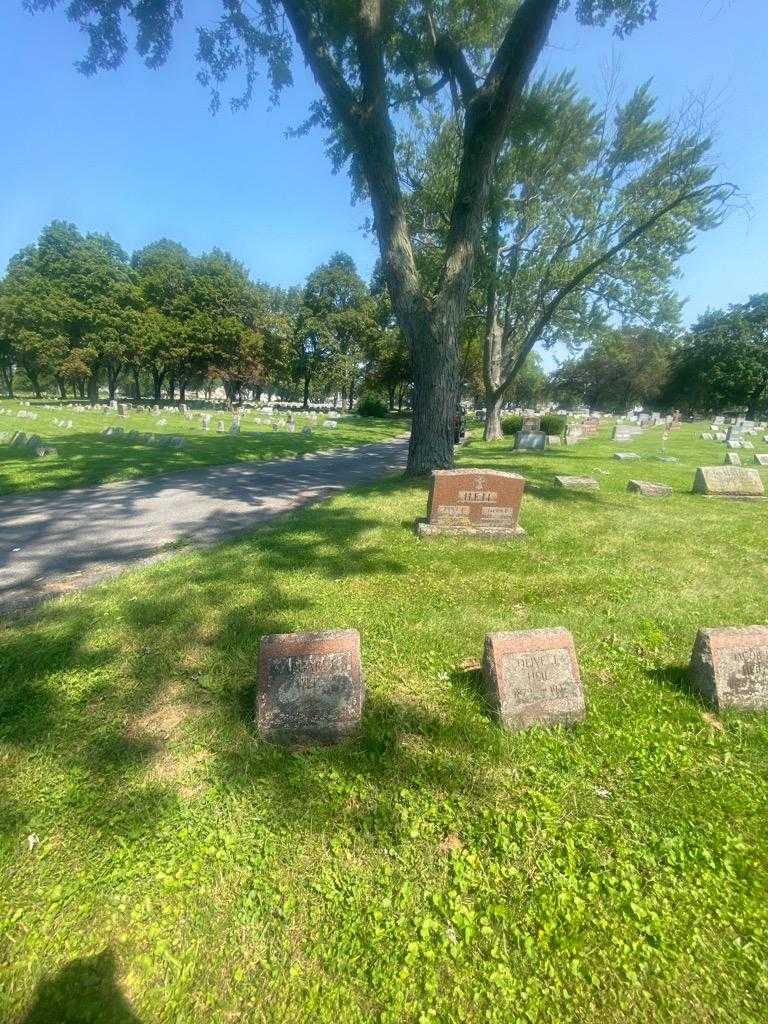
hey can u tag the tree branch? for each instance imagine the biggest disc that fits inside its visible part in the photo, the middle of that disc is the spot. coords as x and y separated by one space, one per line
535 331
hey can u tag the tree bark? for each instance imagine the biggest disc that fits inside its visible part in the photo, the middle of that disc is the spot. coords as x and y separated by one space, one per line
494 400
305 403
136 381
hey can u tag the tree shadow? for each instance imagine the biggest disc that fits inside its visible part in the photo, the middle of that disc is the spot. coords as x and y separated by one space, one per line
51 543
85 990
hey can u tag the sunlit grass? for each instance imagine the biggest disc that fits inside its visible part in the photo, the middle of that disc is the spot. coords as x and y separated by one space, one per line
435 868
86 456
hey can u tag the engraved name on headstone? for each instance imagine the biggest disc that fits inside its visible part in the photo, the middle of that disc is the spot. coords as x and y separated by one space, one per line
310 687
532 678
729 666
530 440
728 480
476 502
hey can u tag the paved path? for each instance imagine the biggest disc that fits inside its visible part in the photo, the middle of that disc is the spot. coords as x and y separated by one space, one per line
55 541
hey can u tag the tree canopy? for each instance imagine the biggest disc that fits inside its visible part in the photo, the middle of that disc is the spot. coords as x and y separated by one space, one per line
378 64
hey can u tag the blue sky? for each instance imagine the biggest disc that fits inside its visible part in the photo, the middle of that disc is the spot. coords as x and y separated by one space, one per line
135 153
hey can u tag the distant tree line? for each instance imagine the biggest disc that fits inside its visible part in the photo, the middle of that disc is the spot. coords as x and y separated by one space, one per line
77 315
719 365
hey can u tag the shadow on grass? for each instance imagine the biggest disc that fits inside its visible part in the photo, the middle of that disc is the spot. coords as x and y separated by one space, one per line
677 678
86 683
85 990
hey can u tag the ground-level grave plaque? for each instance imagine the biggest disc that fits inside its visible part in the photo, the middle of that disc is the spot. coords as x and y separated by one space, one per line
625 456
733 481
761 460
729 666
310 687
667 458
578 483
530 441
532 678
473 502
649 489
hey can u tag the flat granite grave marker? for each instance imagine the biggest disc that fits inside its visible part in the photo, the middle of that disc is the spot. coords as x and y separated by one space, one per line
761 460
734 481
530 441
577 483
649 489
310 687
625 456
729 666
532 678
473 502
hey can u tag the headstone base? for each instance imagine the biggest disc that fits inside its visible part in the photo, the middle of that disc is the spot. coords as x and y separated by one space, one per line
426 529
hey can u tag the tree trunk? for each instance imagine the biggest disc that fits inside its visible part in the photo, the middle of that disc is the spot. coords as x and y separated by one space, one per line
391 397
157 384
493 403
435 396
171 389
400 399
753 404
111 386
93 389
182 391
305 404
136 382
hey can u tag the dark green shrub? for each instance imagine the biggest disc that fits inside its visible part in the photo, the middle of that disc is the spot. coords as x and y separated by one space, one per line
554 424
370 405
511 424
550 424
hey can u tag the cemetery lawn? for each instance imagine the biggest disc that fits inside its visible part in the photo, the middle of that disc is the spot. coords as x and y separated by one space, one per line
86 456
435 868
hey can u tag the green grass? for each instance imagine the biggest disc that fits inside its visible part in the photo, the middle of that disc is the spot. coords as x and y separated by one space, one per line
86 456
435 868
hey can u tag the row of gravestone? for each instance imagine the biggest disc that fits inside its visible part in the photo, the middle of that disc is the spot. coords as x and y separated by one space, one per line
310 685
486 503
34 443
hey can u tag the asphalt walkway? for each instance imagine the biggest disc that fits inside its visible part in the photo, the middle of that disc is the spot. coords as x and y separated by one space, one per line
52 542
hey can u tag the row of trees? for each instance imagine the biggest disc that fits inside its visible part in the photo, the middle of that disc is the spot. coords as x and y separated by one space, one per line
720 365
530 196
76 314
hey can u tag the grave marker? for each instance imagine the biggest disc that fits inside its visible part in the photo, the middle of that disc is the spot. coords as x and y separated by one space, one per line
530 441
729 666
473 502
728 480
577 483
310 687
532 678
648 489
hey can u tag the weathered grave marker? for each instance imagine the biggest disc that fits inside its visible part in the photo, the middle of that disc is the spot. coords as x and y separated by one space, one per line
728 480
577 483
532 678
625 456
473 502
649 489
310 687
729 666
530 440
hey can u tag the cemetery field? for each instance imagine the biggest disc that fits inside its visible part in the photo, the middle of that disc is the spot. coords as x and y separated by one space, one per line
159 864
85 455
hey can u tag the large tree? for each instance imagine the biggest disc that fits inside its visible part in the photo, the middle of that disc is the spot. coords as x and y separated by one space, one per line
589 213
369 59
722 364
621 368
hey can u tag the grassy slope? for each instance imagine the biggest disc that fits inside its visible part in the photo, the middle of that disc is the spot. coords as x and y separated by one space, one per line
436 868
85 456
